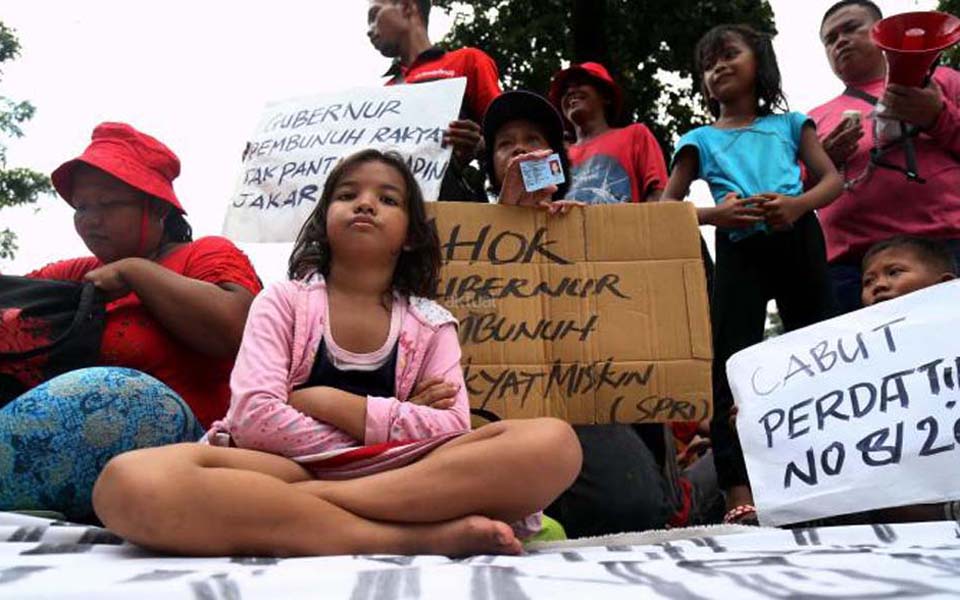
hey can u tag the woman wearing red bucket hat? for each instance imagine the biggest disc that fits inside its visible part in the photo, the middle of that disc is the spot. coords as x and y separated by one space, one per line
174 317
609 164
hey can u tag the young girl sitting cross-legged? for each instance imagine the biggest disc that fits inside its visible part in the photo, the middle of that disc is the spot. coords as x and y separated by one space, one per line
348 430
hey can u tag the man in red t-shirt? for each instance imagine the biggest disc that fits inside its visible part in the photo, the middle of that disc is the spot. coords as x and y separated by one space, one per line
398 29
608 164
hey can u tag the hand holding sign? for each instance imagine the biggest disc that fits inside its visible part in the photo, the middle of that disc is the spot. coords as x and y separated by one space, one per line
561 207
464 136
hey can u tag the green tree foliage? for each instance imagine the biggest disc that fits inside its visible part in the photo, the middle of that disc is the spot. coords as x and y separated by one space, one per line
18 186
951 57
640 41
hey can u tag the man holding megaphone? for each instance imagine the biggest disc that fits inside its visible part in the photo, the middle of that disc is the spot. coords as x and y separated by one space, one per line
894 134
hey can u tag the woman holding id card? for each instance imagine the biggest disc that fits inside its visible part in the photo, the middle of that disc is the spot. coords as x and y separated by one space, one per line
526 162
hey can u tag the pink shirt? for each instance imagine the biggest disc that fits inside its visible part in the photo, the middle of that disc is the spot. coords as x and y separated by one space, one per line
886 203
279 346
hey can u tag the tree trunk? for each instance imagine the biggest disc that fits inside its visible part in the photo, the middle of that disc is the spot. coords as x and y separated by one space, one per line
589 31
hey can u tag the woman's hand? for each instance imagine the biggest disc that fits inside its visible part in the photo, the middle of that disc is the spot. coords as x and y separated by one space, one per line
435 393
110 279
512 190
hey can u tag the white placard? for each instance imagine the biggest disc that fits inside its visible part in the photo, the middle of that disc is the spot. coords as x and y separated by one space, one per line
298 142
856 413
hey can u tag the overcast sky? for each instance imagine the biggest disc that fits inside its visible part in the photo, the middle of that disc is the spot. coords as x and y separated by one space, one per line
196 75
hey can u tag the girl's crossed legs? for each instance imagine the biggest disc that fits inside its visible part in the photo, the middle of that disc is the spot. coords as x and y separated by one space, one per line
202 500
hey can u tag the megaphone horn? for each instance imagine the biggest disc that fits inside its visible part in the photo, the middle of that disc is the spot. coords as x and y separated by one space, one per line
912 43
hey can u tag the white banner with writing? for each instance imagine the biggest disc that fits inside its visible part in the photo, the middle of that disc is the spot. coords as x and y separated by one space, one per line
856 413
298 142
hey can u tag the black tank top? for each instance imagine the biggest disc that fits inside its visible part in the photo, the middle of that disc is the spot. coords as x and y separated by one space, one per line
380 382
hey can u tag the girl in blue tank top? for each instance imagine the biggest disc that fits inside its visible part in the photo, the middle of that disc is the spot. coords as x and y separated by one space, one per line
769 242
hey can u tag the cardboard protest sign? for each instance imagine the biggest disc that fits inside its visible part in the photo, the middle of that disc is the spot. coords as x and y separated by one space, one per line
596 316
856 413
298 142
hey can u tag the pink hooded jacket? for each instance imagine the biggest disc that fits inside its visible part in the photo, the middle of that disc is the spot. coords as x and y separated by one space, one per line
280 341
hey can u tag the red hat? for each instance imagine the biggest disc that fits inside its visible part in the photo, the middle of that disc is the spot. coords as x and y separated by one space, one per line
133 157
591 70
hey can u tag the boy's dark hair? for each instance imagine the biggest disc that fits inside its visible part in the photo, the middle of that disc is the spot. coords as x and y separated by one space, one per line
418 268
933 253
867 4
768 83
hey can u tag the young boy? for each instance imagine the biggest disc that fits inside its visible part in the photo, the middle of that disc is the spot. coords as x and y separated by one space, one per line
609 164
904 264
893 268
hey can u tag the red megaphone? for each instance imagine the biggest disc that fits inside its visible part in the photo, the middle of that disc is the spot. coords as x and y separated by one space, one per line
912 43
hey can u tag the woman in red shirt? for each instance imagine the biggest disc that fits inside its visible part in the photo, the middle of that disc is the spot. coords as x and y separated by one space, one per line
175 315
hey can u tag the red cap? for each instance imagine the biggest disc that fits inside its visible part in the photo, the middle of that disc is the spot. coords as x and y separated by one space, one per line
591 70
134 158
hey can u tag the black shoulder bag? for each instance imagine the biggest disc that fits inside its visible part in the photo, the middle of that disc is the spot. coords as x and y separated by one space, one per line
46 328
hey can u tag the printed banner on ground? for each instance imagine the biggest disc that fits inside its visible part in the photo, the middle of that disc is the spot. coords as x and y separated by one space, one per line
596 316
47 559
298 142
856 413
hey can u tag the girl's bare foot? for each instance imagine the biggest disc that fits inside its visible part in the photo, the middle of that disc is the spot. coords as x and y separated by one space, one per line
465 536
469 536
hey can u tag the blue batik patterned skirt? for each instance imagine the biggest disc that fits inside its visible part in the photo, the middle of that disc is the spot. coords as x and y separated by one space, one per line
56 438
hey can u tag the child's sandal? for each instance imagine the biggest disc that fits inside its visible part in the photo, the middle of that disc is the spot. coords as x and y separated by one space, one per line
745 514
